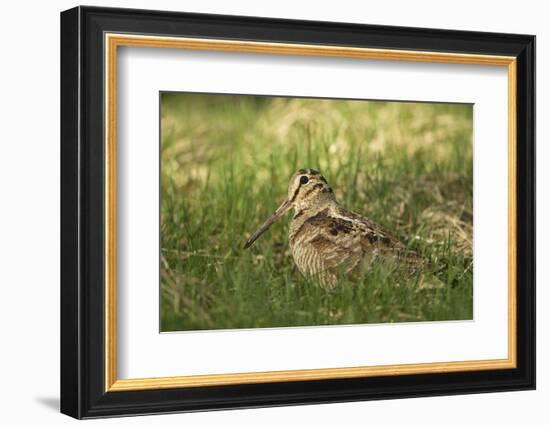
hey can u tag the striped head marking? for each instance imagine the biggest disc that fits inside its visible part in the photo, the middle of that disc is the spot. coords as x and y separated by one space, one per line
307 189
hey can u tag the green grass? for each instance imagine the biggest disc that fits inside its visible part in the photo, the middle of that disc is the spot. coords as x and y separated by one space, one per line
226 163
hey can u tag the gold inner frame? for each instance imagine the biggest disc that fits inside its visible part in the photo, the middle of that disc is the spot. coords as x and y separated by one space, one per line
113 41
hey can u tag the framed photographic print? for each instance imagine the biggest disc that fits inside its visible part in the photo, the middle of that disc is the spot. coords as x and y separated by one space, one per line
261 212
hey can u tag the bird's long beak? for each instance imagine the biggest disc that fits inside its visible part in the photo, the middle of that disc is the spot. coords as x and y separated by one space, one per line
283 208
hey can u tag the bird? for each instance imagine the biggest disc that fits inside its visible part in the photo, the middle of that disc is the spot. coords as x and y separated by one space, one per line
327 241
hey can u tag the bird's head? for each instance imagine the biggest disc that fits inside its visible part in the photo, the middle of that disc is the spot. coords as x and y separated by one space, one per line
307 190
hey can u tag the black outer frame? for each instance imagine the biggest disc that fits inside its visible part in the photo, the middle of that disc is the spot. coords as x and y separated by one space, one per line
82 212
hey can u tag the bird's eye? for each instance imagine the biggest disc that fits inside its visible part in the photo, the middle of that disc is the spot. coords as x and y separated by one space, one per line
304 179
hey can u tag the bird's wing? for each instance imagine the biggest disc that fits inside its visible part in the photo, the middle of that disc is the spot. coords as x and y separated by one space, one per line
334 242
377 241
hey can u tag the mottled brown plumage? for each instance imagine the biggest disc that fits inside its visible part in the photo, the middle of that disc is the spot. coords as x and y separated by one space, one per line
326 240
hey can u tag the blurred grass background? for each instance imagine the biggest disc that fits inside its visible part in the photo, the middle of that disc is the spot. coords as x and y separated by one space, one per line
225 165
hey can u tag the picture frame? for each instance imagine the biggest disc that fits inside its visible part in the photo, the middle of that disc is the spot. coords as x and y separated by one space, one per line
90 40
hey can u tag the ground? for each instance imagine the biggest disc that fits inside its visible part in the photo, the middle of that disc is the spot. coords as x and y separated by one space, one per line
226 162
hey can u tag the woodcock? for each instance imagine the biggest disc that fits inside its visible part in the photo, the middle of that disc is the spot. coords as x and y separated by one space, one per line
328 241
